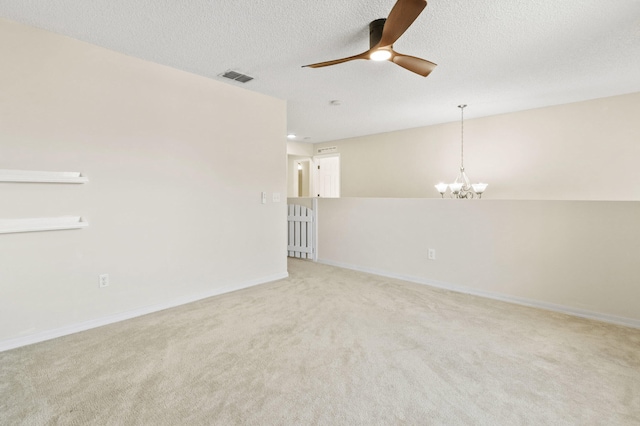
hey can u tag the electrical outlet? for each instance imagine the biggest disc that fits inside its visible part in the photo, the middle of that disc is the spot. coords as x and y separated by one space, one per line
276 197
432 254
104 280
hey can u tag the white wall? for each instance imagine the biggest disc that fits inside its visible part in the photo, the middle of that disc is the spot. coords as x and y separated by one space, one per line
176 164
575 256
580 151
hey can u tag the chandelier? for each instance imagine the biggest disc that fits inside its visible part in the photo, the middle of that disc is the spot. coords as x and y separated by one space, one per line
462 186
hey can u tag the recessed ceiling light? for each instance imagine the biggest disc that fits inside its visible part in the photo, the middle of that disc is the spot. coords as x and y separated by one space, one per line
291 136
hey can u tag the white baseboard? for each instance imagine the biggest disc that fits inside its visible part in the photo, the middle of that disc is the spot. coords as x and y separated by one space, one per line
612 319
99 322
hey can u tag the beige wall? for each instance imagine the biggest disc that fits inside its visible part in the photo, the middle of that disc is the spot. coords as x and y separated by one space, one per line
299 149
173 202
574 256
580 151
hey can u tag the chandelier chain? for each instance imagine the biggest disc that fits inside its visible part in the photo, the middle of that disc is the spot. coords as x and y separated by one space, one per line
461 135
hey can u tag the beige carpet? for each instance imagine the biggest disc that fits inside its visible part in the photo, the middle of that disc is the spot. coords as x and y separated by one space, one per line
331 347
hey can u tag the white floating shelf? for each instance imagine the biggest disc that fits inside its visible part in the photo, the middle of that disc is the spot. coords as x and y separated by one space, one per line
8 226
37 176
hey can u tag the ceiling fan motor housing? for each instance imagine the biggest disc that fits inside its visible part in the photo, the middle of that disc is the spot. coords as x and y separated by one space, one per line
375 31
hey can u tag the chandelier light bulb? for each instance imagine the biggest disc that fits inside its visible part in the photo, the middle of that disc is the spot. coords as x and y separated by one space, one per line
442 188
479 188
455 187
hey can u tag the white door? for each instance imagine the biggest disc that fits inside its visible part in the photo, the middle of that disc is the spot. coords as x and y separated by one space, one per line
327 182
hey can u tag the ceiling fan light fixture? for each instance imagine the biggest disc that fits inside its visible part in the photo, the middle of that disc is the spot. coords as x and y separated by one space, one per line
383 33
380 55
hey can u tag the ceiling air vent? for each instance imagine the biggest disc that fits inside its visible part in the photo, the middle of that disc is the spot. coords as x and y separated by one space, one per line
233 75
327 149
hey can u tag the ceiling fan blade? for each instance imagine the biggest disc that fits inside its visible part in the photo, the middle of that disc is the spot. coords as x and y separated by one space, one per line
363 55
411 63
400 18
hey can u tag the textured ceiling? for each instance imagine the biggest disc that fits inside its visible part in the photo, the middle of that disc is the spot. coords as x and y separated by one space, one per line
497 56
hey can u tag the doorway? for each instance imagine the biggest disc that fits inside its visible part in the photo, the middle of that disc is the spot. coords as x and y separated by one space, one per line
302 177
